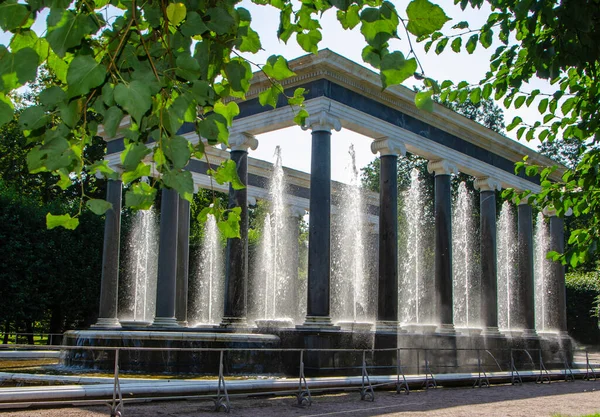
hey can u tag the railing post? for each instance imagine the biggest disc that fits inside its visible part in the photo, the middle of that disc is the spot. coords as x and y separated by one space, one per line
303 396
366 393
481 382
544 374
400 386
116 407
219 403
590 374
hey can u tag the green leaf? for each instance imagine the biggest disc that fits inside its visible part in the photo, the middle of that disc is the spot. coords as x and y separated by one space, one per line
349 18
62 220
141 170
543 105
193 25
33 118
300 117
423 100
101 167
135 98
133 155
379 25
519 101
12 15
270 96
176 13
227 172
230 226
486 38
214 128
177 150
29 39
6 110
515 122
221 22
71 113
472 43
228 111
84 74
277 68
456 44
238 73
424 17
66 29
18 68
441 45
475 95
98 206
50 97
250 41
309 41
298 98
112 120
395 69
181 181
140 196
187 67
487 91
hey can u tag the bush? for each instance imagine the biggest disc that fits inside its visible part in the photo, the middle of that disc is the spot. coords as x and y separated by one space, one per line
583 292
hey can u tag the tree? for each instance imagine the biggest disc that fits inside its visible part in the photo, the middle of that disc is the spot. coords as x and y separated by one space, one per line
554 41
140 65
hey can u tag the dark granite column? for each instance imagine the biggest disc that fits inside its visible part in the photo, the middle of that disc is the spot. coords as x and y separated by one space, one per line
489 266
443 244
296 214
319 239
557 316
167 260
236 257
387 277
109 286
183 261
524 291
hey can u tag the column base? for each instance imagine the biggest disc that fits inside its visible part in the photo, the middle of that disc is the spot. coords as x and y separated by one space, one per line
529 334
233 323
446 329
183 323
491 331
387 326
317 323
164 322
104 322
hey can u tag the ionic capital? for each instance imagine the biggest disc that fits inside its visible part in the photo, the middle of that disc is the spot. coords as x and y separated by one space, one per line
242 142
549 211
322 122
486 184
441 167
388 146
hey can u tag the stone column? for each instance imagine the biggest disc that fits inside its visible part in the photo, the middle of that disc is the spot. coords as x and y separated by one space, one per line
557 316
443 243
236 267
387 276
489 285
183 261
109 286
524 291
319 244
167 260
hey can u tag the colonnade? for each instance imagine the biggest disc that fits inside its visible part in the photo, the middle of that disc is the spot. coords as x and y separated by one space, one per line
171 302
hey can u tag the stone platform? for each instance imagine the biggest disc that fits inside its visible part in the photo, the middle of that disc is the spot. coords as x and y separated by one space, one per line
335 352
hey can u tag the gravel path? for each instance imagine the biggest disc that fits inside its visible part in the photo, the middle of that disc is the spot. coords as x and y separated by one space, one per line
567 399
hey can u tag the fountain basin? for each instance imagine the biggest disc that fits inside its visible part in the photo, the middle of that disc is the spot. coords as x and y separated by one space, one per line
420 328
268 324
134 358
134 323
355 326
469 330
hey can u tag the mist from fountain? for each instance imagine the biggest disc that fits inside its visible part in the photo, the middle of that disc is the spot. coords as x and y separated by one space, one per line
507 265
413 259
350 278
541 269
139 281
206 288
465 262
272 304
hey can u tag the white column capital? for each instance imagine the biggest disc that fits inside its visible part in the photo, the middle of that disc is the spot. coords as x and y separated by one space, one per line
322 121
251 200
486 184
388 146
549 211
242 142
441 167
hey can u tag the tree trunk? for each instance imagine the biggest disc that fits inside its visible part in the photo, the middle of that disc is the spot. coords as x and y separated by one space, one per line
29 328
6 331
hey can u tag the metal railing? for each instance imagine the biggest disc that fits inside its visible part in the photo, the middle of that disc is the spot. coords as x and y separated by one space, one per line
481 377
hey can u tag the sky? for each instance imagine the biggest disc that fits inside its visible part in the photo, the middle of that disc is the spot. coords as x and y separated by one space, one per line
295 143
